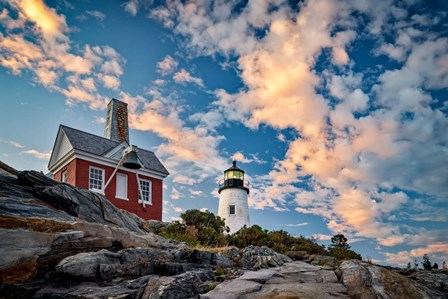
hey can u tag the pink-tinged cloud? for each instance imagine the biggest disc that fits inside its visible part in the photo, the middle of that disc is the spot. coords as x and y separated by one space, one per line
37 40
167 66
37 154
183 77
354 161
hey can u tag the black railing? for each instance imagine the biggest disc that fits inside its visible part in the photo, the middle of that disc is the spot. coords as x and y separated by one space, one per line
233 183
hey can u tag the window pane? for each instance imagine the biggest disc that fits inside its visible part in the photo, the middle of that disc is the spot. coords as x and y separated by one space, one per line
232 209
122 188
145 187
64 176
96 179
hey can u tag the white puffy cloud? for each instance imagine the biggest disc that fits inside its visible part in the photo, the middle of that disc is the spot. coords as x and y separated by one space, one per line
36 40
167 65
184 76
240 157
356 142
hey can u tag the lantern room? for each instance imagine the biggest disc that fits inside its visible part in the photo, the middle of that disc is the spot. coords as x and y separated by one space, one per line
234 178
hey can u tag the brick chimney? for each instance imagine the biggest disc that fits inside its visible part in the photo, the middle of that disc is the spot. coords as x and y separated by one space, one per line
117 128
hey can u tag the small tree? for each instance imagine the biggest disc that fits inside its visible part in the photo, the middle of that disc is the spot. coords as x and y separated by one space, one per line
415 264
444 266
339 241
340 249
426 262
409 266
435 266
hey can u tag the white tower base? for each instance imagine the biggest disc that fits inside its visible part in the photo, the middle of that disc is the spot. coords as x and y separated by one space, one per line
236 197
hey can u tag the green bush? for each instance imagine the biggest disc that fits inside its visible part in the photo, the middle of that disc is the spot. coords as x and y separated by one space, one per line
197 228
206 229
280 240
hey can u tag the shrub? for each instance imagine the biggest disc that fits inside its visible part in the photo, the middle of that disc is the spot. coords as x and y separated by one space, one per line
197 228
281 241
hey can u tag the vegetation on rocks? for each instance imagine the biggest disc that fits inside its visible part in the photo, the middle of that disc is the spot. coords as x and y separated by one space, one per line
279 240
206 229
196 228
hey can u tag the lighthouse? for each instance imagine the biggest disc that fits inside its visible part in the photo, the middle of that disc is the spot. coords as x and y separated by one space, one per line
233 191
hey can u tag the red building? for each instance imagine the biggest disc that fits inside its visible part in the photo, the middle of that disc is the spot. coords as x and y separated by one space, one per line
89 161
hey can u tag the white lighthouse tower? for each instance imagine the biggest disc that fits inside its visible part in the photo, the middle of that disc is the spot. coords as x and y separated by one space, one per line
233 191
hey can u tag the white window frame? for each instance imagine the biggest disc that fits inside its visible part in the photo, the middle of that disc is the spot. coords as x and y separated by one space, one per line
102 182
149 201
64 176
126 186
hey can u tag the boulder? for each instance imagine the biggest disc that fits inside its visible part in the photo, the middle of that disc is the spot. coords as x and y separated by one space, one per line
105 264
87 264
233 289
261 276
364 280
209 258
255 257
186 285
434 282
292 280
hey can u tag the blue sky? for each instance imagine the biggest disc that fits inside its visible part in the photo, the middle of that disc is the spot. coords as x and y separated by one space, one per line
336 110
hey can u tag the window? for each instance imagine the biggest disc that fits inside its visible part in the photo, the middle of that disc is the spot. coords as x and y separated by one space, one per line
145 187
232 210
96 179
234 174
122 186
64 176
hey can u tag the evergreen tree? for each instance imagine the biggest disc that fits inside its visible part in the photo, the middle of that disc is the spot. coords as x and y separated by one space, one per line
415 264
340 249
435 266
339 241
426 262
409 266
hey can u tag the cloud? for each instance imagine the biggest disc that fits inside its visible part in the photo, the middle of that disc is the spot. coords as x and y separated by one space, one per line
322 237
36 40
131 7
435 252
167 66
97 14
196 192
175 194
190 153
12 143
178 209
239 156
297 224
99 120
183 77
355 140
39 155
